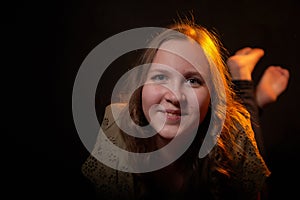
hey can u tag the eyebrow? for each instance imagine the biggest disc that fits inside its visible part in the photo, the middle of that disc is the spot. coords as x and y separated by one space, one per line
186 74
158 70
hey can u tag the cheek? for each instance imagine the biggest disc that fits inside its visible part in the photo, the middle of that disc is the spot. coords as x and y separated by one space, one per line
150 96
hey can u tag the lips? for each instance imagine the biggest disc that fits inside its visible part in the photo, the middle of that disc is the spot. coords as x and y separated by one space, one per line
173 112
172 115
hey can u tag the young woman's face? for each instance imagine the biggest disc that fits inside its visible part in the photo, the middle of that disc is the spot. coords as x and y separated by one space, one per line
175 98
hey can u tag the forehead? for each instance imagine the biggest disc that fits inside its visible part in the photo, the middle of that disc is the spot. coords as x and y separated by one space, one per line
165 60
182 53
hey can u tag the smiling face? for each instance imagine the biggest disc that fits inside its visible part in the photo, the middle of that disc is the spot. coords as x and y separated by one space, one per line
175 98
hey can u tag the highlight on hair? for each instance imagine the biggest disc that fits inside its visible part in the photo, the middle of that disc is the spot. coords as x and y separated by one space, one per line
234 114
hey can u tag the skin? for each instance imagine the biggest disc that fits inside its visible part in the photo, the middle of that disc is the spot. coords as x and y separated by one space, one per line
242 63
173 95
273 82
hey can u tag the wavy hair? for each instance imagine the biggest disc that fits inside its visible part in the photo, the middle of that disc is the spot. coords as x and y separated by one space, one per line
226 108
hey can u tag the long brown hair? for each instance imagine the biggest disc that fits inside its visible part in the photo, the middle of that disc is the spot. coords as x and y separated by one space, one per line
226 109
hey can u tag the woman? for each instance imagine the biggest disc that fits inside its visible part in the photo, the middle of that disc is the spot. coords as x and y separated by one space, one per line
184 95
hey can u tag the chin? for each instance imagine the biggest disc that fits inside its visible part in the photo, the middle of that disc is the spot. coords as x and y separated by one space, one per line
168 134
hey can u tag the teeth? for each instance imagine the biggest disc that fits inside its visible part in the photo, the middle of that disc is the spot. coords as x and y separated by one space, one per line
173 114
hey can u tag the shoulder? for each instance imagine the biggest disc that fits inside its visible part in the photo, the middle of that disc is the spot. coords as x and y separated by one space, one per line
109 181
251 169
112 113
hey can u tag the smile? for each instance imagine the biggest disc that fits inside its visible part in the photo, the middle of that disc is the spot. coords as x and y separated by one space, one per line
172 115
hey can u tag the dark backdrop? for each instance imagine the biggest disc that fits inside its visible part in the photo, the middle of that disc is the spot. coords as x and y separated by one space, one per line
50 39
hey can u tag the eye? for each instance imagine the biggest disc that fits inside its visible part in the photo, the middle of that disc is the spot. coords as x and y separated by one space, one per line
159 78
194 82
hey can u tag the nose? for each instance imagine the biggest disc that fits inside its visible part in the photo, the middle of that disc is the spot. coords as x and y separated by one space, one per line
176 97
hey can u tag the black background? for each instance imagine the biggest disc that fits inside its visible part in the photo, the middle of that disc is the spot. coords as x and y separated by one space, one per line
48 41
